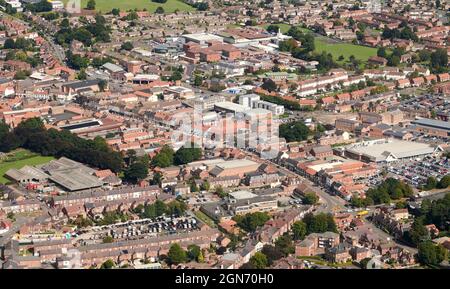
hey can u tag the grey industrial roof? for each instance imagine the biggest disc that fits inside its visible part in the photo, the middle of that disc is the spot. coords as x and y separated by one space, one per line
65 163
75 179
26 172
381 149
112 67
432 123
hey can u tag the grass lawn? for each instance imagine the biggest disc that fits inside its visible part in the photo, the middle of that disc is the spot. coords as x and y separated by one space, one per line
204 218
283 26
19 159
105 6
346 49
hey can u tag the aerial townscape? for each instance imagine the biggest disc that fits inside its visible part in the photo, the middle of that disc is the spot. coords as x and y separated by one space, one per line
224 134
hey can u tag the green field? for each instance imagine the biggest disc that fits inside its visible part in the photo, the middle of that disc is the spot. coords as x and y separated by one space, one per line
105 6
331 46
19 159
345 49
283 26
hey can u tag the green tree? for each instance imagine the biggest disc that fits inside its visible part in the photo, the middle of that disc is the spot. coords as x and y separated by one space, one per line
82 75
294 131
108 239
201 6
198 80
108 264
273 28
9 44
11 216
431 254
285 244
176 208
194 252
22 74
310 198
90 5
4 129
157 179
269 85
127 46
381 52
76 61
205 186
272 253
164 158
431 183
299 230
288 45
424 55
132 15
259 260
102 84
176 75
136 172
42 6
200 258
251 221
393 60
418 232
439 60
186 155
319 223
159 10
176 254
220 192
444 182
193 186
115 11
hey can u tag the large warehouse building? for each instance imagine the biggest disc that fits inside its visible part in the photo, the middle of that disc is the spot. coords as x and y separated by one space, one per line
389 150
432 127
67 174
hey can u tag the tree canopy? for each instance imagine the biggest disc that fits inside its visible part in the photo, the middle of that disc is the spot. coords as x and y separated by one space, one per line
91 5
136 172
319 223
164 158
259 260
431 254
32 135
250 222
42 6
186 155
299 230
389 189
294 131
127 46
176 254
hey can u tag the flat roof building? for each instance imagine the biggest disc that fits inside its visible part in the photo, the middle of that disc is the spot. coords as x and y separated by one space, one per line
234 168
202 38
388 150
231 107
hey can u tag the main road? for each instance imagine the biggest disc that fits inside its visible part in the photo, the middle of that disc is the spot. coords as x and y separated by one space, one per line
329 203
